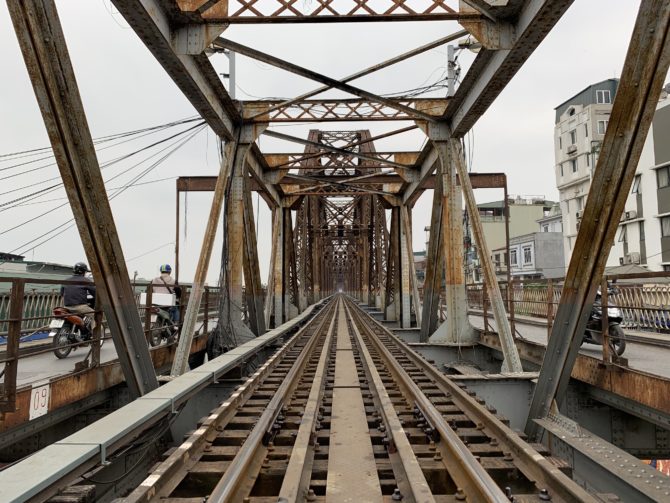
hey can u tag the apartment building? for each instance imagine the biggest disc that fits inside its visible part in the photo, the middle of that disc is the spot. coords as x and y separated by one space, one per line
643 236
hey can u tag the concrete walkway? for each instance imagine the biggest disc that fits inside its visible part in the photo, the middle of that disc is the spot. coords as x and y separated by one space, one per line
642 356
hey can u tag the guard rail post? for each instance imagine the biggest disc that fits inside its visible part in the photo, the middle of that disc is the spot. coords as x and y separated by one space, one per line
8 402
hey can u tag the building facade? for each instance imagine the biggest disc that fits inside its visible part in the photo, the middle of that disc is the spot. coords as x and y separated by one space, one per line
643 236
580 127
524 213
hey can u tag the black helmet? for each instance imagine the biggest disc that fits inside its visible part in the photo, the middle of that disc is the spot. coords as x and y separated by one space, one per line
80 268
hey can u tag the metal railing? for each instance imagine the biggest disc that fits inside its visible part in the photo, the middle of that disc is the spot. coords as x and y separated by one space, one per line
643 298
26 310
644 302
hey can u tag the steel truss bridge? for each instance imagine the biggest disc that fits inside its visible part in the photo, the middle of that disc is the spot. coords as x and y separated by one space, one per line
311 398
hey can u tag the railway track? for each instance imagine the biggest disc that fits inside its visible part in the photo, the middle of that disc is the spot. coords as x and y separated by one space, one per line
344 411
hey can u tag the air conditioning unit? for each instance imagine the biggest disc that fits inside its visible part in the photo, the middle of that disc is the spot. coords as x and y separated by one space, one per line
634 258
621 261
630 215
579 214
572 149
626 259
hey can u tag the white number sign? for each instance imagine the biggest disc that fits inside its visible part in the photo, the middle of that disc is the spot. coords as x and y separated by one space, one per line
39 401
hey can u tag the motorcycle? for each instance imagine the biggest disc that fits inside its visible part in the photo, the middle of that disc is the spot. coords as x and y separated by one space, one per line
162 326
593 333
68 328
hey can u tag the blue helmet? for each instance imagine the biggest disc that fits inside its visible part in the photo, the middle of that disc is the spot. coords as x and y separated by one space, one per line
166 268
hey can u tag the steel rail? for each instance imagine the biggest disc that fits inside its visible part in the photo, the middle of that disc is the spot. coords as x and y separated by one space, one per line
415 477
464 468
531 463
226 490
297 476
166 475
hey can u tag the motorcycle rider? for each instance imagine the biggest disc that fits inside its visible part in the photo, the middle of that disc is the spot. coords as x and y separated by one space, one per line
75 297
165 284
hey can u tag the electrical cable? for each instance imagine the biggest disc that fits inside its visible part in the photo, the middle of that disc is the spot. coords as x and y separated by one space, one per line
66 203
103 165
117 193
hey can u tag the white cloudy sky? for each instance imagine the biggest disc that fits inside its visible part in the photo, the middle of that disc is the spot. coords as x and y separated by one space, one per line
123 89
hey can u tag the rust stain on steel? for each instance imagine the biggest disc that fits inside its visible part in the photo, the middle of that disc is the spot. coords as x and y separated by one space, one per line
71 388
650 390
646 389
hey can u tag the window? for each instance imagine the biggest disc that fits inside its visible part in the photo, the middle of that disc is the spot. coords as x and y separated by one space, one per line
636 184
580 203
573 163
527 255
603 96
641 224
602 127
663 177
512 257
666 268
586 130
545 228
561 169
665 227
588 160
560 142
573 137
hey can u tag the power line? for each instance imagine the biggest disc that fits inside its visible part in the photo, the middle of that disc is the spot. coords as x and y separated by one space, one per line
104 165
150 251
62 227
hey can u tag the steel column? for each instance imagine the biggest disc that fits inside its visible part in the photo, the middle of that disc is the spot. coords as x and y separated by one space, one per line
234 244
180 362
642 78
43 46
409 272
272 294
512 362
432 286
456 329
252 272
393 278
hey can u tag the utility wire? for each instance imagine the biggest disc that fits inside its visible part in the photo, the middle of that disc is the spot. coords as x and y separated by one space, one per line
104 165
62 227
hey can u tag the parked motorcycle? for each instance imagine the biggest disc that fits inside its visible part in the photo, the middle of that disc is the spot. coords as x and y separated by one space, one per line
593 333
68 328
162 327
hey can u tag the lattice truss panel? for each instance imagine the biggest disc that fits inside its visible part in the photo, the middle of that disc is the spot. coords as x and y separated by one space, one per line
341 110
265 9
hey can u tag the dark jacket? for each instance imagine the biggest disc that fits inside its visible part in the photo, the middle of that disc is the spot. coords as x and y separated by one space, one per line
77 294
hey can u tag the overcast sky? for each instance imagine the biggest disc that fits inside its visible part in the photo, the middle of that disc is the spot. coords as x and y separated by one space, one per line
124 88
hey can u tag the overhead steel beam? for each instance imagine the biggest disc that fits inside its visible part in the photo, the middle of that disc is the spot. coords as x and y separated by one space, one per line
492 70
309 74
369 70
193 74
48 62
642 78
329 148
321 11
